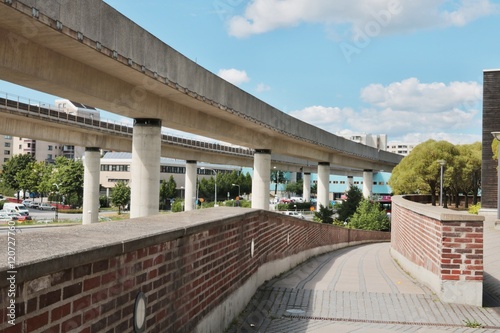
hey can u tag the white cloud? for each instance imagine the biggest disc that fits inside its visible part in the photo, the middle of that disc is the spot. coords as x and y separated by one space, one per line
332 119
261 87
373 17
407 110
411 95
234 76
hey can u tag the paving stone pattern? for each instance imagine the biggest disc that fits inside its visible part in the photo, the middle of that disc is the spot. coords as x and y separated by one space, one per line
362 289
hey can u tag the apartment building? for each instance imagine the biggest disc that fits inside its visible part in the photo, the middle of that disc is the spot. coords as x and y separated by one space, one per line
378 141
400 148
7 148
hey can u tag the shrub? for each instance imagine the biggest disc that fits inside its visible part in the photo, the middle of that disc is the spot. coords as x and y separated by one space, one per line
474 209
368 216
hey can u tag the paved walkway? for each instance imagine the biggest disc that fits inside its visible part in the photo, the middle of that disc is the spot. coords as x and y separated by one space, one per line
362 289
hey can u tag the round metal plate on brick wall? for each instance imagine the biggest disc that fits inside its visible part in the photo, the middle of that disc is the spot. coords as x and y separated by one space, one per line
140 313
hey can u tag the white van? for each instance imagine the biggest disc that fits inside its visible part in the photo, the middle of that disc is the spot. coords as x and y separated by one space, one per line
20 208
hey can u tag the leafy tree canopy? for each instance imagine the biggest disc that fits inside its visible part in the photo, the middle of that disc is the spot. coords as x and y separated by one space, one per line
348 207
369 216
120 195
324 214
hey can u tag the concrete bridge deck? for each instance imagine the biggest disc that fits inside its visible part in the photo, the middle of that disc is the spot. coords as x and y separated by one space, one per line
362 289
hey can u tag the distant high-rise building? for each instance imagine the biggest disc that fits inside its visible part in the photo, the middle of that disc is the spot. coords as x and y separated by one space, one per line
378 141
6 152
401 148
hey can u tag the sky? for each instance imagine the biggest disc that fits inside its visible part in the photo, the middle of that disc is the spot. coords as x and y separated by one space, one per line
412 70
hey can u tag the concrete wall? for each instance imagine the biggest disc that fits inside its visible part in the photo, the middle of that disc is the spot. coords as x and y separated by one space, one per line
441 248
198 269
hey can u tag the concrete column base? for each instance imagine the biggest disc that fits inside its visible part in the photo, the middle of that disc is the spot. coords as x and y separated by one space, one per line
261 179
91 166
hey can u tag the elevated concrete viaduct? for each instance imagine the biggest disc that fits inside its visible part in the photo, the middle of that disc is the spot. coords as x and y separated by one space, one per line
90 53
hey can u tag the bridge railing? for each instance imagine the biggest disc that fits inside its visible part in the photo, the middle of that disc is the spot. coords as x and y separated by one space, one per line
33 108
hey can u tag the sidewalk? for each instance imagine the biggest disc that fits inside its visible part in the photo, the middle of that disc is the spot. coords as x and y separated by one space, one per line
362 289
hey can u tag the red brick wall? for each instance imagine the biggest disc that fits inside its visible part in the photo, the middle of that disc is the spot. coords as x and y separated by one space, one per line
446 244
183 278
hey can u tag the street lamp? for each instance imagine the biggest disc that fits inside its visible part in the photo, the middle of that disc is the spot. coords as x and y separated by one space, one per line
496 135
215 173
57 202
442 163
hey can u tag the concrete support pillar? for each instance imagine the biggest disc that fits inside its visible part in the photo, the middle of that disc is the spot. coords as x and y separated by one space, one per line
145 168
350 183
91 174
190 182
261 179
367 183
323 184
306 187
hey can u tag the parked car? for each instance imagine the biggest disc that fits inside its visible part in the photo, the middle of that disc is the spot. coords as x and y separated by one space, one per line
18 217
5 217
27 203
17 207
46 206
294 214
35 205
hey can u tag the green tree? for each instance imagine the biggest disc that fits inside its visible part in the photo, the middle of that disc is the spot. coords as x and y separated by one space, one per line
324 214
419 172
14 165
167 190
277 177
348 207
295 187
369 216
120 195
68 175
467 175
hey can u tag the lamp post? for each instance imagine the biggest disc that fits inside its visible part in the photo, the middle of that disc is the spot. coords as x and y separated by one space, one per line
57 203
215 173
496 135
442 163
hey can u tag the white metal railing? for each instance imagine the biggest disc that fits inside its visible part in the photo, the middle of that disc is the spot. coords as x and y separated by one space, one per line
16 104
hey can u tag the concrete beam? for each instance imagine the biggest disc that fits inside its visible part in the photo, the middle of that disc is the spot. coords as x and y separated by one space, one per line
88 60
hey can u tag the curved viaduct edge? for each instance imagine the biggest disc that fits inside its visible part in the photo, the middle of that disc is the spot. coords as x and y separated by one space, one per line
173 77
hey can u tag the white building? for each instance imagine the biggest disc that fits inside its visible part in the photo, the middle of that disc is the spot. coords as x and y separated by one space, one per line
378 141
401 148
115 167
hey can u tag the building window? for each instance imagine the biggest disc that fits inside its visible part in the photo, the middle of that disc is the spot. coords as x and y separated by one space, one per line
6 152
50 147
7 144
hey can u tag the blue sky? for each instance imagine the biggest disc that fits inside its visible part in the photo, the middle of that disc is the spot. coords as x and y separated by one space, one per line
410 69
